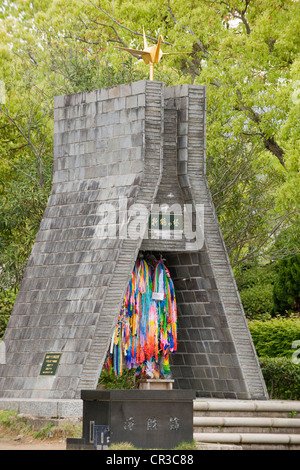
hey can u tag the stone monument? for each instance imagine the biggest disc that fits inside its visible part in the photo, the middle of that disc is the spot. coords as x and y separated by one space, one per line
122 155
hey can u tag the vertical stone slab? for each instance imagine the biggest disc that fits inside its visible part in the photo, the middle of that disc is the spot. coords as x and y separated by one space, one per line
107 157
128 252
169 193
191 102
206 358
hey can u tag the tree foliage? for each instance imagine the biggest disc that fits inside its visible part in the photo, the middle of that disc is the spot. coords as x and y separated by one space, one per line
287 283
255 284
275 337
281 376
247 54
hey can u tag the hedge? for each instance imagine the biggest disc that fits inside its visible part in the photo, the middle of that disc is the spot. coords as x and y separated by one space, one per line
275 337
282 378
273 340
257 300
255 285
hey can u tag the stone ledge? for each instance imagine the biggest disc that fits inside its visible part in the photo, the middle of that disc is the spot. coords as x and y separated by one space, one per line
214 404
212 446
44 408
246 438
156 384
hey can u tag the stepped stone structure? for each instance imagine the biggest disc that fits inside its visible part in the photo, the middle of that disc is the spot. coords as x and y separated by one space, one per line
120 154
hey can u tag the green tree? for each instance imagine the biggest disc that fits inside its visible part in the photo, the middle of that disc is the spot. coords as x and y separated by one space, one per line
287 285
246 52
26 132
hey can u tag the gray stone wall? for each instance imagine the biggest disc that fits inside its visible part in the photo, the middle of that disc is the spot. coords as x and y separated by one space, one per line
206 359
191 104
137 143
105 142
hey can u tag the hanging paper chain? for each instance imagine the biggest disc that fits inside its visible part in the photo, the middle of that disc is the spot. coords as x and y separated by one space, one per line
146 331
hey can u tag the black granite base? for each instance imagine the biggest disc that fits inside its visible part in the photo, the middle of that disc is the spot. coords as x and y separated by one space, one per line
148 419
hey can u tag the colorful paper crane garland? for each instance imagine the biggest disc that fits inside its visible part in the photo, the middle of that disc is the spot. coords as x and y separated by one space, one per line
146 331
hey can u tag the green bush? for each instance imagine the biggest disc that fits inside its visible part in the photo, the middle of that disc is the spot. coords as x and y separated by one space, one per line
282 378
274 338
112 382
287 285
255 284
257 300
7 300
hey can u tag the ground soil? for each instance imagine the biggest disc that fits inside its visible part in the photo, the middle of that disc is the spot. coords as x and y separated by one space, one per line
10 442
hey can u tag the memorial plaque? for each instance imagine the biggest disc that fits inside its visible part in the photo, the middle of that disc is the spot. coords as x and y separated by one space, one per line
162 221
51 361
148 419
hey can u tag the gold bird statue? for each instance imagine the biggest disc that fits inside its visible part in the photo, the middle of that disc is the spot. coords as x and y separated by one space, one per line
150 54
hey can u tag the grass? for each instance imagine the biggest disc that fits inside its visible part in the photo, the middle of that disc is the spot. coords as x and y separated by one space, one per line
186 446
128 446
122 446
11 421
13 424
62 431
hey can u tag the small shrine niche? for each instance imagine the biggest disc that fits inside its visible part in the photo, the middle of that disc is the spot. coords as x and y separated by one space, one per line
146 331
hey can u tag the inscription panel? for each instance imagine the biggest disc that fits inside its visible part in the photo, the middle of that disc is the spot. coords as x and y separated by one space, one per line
50 363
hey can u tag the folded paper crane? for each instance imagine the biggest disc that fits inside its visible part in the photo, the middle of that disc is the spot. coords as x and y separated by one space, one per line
150 54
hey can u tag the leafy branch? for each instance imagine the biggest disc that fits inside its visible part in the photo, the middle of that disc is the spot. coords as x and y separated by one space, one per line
121 25
269 141
201 45
26 134
239 14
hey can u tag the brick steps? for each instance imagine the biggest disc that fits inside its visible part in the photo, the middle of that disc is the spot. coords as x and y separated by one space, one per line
249 424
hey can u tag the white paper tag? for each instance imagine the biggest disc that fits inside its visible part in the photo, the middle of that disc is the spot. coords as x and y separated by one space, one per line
158 296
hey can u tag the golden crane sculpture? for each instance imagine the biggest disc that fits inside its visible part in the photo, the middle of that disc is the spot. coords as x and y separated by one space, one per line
150 54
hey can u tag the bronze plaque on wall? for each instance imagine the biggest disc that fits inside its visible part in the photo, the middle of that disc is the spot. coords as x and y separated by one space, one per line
50 363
